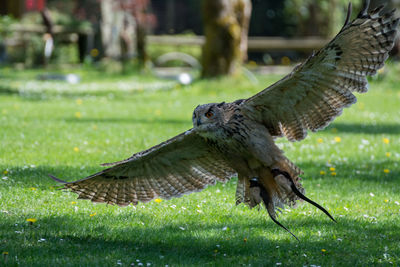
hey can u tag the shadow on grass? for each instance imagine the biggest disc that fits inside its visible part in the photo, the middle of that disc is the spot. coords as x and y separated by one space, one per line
100 242
104 239
381 128
4 90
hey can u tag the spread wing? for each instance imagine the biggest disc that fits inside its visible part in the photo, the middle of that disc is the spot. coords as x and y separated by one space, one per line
180 165
317 91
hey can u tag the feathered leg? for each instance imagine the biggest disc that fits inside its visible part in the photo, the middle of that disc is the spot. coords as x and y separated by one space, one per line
266 198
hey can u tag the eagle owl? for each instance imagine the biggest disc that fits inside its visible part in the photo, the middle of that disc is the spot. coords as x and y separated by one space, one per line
237 139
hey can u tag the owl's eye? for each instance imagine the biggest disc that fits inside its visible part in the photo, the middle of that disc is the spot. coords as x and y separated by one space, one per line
209 114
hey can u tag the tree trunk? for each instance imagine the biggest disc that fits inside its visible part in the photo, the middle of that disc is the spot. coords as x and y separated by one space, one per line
225 27
111 25
141 33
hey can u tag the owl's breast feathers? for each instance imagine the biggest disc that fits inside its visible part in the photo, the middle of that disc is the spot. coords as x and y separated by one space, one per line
238 136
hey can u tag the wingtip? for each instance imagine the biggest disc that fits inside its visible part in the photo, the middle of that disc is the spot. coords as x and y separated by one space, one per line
57 180
364 12
349 11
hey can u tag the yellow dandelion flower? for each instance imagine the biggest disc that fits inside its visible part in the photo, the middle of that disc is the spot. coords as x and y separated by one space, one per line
79 101
245 239
386 170
5 172
93 214
323 250
332 169
320 141
252 63
78 115
386 140
388 154
94 52
5 253
32 188
73 202
285 60
157 200
322 172
338 139
31 220
333 173
386 200
76 149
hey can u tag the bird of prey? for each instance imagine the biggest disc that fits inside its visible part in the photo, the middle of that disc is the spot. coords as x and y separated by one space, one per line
237 139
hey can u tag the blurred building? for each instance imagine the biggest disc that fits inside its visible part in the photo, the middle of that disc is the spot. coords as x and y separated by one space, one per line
17 8
176 16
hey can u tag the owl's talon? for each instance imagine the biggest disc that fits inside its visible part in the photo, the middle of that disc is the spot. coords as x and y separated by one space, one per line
276 172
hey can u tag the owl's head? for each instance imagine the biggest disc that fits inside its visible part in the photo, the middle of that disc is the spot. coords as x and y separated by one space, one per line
208 117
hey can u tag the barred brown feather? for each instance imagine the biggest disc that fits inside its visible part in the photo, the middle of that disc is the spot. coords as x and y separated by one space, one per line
317 91
181 165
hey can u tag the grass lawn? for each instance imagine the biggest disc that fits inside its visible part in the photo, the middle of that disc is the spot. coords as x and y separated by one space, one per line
351 168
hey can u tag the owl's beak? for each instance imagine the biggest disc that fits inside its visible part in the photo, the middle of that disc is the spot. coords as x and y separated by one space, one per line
198 121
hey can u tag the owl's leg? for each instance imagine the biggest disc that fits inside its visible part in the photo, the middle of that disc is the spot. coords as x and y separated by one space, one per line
255 194
243 190
266 198
266 178
279 173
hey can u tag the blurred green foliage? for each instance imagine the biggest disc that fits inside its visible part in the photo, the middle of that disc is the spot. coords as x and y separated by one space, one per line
5 22
317 17
28 48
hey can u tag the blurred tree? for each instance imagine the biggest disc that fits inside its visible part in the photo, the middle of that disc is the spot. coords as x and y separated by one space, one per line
111 25
226 25
90 11
120 26
144 20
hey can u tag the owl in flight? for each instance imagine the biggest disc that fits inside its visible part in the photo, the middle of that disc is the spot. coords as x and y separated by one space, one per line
237 139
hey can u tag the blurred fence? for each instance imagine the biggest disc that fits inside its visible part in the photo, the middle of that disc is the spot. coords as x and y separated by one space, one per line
254 43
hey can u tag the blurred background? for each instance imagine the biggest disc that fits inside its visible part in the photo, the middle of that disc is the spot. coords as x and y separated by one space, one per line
205 38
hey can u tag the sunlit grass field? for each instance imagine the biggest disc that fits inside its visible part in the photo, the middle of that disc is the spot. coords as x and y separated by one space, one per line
351 168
